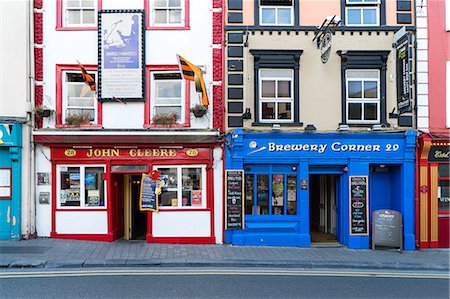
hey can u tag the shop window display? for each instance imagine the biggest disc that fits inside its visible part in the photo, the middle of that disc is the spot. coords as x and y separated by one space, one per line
81 186
182 186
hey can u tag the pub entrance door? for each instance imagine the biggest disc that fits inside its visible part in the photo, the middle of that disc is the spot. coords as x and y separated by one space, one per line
322 208
135 221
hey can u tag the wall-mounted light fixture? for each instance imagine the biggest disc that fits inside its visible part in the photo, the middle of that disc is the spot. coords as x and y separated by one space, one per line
310 128
276 127
294 168
343 128
247 114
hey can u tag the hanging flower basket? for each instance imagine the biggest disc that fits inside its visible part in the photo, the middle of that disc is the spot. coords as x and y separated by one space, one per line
42 111
199 110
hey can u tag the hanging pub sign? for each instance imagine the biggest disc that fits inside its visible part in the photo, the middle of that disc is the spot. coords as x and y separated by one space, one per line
404 74
359 205
325 46
234 193
150 189
121 72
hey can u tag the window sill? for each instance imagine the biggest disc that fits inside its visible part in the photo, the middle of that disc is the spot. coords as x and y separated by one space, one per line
293 124
76 28
168 28
151 126
92 126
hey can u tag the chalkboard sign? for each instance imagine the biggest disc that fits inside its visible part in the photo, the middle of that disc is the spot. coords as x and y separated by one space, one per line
148 197
234 195
359 205
387 229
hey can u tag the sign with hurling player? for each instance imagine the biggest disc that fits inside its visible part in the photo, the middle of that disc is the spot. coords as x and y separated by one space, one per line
121 55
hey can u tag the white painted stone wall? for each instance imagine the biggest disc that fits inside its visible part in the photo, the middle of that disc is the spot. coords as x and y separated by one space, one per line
422 67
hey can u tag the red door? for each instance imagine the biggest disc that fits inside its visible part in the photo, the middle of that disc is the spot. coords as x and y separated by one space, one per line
117 208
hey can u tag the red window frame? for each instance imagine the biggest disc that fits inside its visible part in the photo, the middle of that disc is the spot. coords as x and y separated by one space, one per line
60 68
60 14
148 8
10 183
147 106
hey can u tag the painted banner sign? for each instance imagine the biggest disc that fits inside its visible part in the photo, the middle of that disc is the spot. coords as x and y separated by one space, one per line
148 200
359 205
439 153
121 35
234 195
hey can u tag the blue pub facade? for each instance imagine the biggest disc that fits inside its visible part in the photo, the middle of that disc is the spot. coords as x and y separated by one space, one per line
301 186
10 181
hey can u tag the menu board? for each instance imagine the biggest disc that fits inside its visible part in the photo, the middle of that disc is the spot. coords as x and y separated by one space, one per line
234 195
387 229
148 200
359 205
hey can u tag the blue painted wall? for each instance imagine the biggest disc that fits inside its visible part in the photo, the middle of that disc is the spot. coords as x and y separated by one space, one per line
345 154
11 157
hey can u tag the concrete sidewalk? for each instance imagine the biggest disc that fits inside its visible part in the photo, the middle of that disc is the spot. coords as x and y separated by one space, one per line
54 253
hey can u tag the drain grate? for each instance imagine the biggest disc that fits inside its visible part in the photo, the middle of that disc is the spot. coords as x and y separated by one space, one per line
23 249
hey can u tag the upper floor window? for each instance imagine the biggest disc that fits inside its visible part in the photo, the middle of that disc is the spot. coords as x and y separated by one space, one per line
168 13
362 12
76 103
79 13
276 95
363 96
276 12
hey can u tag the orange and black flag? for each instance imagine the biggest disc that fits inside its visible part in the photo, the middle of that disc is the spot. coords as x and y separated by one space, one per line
192 73
88 79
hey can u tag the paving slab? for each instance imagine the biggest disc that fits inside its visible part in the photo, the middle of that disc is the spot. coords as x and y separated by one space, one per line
27 263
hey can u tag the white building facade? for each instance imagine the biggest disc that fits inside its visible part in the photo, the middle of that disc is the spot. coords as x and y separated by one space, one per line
94 144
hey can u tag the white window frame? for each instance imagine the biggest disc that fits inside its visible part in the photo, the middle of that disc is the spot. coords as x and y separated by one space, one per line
179 188
66 9
153 104
447 15
65 96
82 205
291 8
275 100
357 2
361 8
363 100
168 8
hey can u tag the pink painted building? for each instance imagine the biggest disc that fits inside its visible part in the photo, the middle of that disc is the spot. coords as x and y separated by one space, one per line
433 191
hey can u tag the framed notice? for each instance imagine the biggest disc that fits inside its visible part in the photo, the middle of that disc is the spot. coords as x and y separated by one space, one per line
148 199
5 182
359 205
234 194
121 55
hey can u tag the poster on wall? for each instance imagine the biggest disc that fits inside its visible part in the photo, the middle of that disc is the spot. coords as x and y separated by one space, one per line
404 73
234 193
359 205
5 183
121 73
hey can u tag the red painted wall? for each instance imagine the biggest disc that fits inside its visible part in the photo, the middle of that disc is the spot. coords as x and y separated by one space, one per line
439 53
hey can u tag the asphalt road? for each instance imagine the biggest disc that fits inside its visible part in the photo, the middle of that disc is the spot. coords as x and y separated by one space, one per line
219 283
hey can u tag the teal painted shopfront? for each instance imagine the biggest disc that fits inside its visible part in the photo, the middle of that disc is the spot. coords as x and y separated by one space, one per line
10 181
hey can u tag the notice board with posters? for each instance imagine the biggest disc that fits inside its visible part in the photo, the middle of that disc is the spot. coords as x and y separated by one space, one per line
359 205
234 194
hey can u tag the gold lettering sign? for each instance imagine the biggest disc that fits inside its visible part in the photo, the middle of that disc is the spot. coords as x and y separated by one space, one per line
192 152
70 152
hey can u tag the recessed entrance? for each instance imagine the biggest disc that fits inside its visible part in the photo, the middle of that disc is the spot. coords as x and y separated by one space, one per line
322 208
135 221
